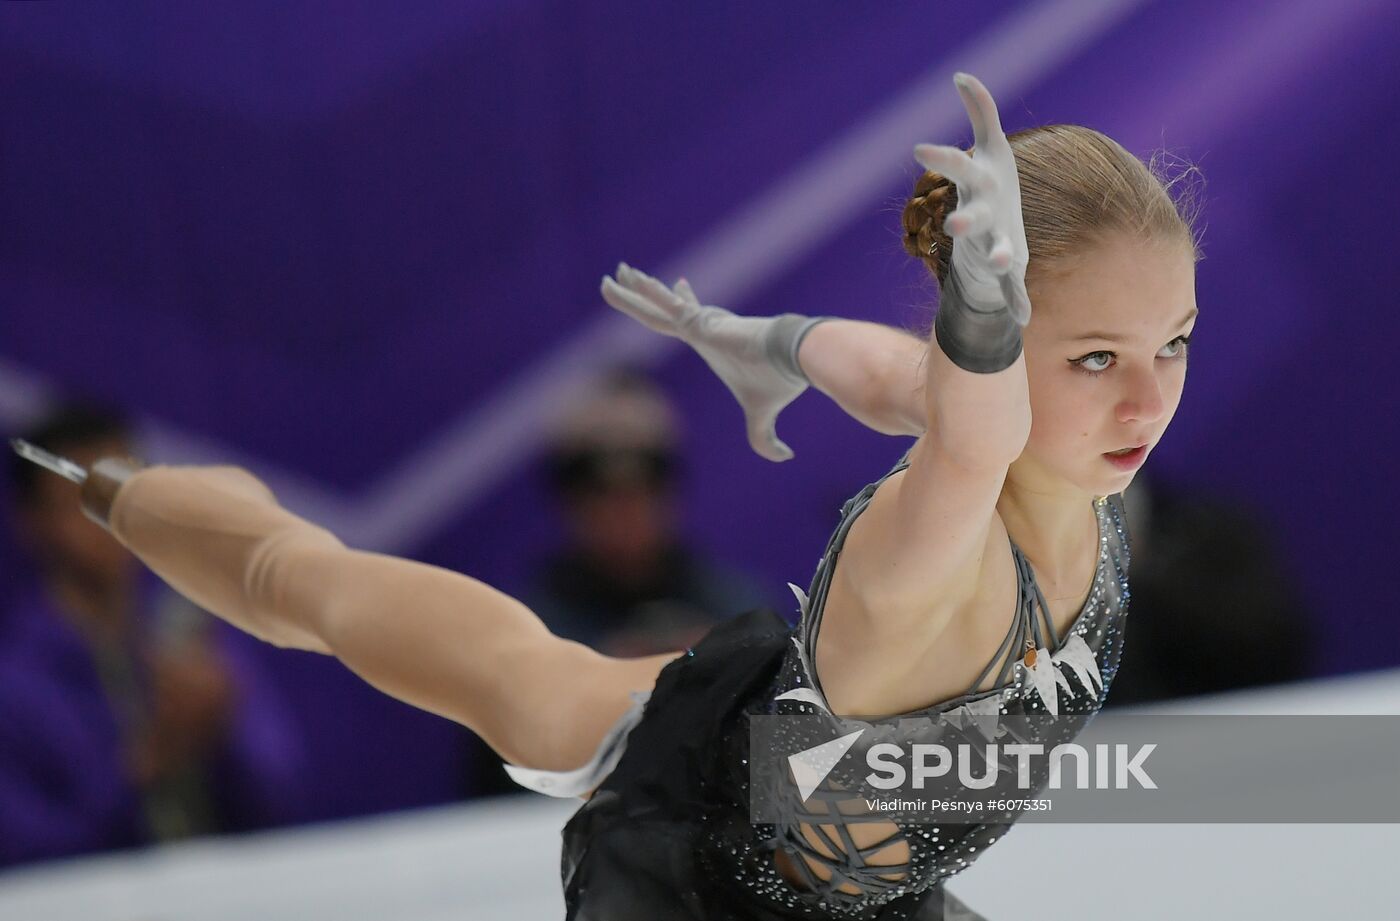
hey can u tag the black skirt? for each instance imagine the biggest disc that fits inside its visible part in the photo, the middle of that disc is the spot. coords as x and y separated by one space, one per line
636 849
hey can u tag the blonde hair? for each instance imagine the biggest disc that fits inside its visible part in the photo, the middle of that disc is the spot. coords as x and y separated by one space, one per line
1078 187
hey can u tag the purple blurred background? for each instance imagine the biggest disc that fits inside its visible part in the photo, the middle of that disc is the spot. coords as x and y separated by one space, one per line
356 248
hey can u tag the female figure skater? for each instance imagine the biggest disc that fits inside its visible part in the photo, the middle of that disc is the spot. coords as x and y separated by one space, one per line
985 573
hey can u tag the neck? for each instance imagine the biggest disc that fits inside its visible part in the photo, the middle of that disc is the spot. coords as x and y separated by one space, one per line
1056 527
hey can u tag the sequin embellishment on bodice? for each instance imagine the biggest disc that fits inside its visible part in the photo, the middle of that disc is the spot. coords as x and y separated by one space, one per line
1072 679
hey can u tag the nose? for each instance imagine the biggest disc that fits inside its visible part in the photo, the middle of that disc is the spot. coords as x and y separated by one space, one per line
1141 401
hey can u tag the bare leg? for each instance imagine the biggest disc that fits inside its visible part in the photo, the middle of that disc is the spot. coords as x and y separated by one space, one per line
434 638
559 699
456 646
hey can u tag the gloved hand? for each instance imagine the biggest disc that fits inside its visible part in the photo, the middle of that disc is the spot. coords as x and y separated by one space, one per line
989 258
756 357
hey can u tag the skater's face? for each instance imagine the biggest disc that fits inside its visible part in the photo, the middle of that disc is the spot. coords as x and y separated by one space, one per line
1106 360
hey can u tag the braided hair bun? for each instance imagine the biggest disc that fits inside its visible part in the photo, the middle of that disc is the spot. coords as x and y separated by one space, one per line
935 197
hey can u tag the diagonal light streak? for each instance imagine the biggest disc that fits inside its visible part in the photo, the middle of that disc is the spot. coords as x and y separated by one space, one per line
444 476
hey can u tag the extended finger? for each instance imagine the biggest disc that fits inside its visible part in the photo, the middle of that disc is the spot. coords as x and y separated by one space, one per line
644 310
683 289
763 437
970 219
981 109
1002 253
644 284
948 161
971 178
1013 289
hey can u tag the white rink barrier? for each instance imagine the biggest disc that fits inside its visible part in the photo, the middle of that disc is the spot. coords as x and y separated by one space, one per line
498 860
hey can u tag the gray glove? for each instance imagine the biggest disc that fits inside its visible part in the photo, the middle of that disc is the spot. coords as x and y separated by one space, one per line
984 302
756 357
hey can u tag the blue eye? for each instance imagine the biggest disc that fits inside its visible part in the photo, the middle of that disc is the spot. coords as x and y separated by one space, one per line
1106 357
1184 342
1178 347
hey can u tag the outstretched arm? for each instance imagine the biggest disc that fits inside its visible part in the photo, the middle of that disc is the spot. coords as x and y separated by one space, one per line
871 371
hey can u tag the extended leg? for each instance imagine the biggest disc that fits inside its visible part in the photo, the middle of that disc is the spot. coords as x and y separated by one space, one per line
434 638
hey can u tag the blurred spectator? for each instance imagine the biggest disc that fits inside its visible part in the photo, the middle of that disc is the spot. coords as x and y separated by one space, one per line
1213 607
626 583
127 715
623 581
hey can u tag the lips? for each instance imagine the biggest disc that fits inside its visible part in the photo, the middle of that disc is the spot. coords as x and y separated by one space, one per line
1127 460
1121 451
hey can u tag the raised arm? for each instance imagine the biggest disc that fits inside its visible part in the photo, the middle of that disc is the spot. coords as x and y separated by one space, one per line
976 393
968 386
922 541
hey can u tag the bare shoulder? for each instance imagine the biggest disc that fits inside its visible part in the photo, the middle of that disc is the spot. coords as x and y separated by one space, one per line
922 539
886 648
876 659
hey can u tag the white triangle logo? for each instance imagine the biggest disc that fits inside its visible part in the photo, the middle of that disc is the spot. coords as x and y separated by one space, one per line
810 767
